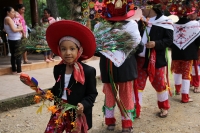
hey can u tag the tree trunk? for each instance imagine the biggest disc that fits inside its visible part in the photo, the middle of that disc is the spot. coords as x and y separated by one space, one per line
52 5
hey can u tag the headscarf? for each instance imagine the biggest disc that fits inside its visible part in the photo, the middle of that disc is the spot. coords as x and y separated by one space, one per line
79 75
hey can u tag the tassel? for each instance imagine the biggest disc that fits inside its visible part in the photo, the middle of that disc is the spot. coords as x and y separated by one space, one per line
58 78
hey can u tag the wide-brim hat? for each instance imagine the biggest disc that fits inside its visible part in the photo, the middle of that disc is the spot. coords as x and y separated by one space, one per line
121 18
124 11
63 28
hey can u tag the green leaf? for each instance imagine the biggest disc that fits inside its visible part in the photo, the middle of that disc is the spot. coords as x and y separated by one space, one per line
40 109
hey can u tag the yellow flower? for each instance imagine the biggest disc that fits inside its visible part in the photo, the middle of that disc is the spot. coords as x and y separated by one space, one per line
58 121
49 95
73 124
53 109
64 114
37 99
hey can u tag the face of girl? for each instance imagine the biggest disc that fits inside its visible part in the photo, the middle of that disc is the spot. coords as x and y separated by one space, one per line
145 12
11 13
22 10
69 51
46 14
193 16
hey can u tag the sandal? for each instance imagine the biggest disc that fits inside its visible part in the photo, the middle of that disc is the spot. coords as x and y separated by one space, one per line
27 62
47 60
127 130
177 93
51 59
111 127
190 100
161 113
14 73
196 90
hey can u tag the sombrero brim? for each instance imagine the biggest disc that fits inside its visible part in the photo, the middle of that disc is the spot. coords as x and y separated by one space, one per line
121 18
62 28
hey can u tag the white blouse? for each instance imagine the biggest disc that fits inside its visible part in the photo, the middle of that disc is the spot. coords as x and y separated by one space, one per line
67 79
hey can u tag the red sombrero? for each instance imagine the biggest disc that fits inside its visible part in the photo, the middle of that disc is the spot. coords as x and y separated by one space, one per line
62 28
114 11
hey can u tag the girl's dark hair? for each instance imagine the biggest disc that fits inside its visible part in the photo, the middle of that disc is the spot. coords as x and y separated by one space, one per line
158 11
20 6
7 9
48 11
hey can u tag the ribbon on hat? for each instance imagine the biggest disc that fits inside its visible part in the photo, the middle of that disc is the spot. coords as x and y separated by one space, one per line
79 75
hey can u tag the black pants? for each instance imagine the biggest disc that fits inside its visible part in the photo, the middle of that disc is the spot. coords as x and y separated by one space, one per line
15 55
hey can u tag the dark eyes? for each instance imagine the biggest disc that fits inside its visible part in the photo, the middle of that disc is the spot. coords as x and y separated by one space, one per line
72 49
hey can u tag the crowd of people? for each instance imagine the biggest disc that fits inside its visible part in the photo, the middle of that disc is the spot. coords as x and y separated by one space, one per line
124 72
125 69
16 29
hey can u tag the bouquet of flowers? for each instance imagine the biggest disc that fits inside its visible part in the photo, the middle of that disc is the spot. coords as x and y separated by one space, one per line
59 108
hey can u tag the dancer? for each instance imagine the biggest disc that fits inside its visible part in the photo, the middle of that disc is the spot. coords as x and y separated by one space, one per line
184 49
157 34
118 66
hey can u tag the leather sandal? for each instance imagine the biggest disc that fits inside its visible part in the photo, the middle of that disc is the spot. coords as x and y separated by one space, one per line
177 93
27 62
161 115
196 90
129 130
111 127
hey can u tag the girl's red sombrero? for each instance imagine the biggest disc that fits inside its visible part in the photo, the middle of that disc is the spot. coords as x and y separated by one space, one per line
62 28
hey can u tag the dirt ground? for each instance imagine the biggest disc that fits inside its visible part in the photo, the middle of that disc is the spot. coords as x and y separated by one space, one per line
182 118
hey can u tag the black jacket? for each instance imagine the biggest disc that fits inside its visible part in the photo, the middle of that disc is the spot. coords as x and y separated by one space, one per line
163 38
191 52
85 94
126 72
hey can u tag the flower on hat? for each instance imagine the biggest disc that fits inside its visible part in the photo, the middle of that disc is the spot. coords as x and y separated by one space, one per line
182 7
98 6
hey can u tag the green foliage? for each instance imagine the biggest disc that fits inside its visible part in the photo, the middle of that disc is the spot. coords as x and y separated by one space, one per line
67 8
112 37
35 42
27 14
41 6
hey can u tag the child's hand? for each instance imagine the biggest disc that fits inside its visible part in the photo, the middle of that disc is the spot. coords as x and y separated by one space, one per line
20 27
80 108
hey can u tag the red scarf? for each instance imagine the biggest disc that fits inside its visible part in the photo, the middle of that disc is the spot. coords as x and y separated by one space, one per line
151 66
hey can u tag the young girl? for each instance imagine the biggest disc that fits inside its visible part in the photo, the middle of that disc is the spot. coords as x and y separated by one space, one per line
75 81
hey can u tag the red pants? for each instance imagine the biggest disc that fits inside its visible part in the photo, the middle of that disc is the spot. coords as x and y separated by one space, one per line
125 91
195 74
60 128
182 70
158 83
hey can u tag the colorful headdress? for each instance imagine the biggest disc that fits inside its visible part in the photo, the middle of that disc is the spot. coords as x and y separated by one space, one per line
148 4
118 10
196 7
182 7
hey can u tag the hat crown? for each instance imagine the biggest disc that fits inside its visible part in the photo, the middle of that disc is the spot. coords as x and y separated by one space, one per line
116 8
183 7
